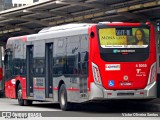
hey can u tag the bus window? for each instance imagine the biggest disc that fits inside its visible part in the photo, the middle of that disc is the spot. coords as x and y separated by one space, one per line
71 65
8 63
84 62
38 67
59 65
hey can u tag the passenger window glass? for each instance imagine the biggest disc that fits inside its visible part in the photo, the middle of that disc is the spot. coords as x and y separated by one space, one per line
59 65
84 62
72 65
38 66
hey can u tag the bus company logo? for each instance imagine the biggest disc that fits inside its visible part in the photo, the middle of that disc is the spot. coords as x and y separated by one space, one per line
112 67
138 71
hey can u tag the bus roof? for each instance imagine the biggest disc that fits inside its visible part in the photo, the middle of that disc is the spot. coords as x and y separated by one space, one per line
60 31
65 27
23 38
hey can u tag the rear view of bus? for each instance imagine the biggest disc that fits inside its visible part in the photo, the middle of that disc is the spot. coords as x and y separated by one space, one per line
123 61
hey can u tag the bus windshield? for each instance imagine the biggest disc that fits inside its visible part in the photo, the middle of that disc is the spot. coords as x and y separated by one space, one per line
124 37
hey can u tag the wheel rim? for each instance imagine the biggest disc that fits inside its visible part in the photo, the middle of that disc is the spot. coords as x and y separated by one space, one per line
63 102
19 94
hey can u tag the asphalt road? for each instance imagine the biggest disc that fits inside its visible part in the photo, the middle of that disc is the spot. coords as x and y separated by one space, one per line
90 110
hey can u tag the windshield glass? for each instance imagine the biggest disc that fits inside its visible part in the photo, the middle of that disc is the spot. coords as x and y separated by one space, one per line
124 37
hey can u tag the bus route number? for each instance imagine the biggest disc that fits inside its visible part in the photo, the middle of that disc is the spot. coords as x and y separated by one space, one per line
141 65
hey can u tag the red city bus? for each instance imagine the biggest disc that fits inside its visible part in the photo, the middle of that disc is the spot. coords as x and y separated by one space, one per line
77 63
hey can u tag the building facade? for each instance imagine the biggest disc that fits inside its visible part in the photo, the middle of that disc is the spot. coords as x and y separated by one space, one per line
7 4
1 5
19 3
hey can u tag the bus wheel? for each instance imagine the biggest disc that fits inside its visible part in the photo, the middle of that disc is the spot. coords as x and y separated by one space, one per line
20 100
63 98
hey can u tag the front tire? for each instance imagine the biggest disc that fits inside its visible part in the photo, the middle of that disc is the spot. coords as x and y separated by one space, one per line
19 93
64 104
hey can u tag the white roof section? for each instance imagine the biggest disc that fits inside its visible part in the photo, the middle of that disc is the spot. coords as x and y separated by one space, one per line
65 27
61 31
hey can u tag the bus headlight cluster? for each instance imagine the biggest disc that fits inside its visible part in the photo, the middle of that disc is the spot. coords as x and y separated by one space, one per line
96 74
152 74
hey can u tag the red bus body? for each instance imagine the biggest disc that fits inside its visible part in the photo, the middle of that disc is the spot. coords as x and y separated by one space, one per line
127 80
112 73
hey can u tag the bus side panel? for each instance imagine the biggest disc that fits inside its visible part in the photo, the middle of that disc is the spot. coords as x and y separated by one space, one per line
158 86
92 52
7 89
158 63
10 89
1 71
153 45
1 81
15 66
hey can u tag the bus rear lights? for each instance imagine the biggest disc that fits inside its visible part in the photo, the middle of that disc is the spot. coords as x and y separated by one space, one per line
96 74
152 74
13 81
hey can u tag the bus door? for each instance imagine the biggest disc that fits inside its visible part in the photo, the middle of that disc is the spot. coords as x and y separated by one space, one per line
49 71
29 57
8 61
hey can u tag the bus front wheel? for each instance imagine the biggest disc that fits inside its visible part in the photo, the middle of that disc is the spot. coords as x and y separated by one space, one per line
20 99
64 104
